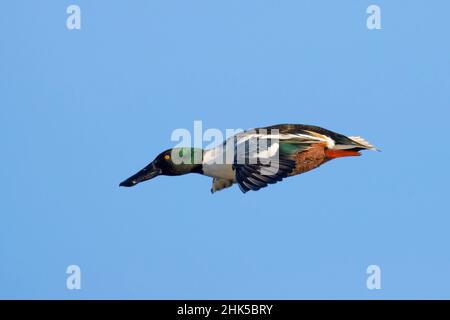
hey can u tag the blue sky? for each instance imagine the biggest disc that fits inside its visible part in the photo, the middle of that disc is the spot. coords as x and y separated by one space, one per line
81 110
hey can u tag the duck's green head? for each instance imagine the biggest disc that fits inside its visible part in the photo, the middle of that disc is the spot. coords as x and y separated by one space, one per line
172 162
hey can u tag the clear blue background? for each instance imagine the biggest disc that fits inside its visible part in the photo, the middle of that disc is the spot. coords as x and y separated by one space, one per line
81 110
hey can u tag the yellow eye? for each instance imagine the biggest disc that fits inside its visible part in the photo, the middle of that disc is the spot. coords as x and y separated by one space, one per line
166 157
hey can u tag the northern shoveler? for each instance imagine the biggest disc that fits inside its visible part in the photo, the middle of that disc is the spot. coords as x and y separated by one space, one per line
280 151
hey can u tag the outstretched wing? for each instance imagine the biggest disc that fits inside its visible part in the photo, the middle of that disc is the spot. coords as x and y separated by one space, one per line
257 176
262 158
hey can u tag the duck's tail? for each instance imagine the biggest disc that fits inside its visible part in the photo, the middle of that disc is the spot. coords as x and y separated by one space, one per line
360 141
353 143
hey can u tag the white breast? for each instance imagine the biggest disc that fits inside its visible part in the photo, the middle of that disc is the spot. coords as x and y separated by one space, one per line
214 165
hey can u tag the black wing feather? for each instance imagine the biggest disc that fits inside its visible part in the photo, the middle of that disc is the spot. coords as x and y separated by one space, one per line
257 176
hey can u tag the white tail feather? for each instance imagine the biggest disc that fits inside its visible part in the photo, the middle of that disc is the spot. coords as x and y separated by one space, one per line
364 143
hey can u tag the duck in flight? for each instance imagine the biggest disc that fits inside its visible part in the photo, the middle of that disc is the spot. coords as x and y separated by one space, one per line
255 158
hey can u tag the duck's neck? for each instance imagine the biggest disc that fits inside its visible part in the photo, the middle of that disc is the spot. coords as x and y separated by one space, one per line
197 160
192 161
